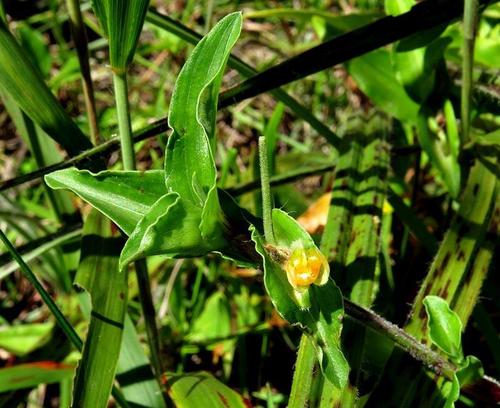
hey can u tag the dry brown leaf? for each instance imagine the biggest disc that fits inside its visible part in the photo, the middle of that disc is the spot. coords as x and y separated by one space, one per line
314 218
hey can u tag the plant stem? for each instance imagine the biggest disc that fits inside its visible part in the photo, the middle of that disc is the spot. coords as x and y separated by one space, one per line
303 375
124 127
149 315
266 191
469 27
408 343
79 35
141 270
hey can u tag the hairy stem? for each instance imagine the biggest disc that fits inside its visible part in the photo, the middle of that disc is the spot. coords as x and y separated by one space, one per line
266 191
402 339
303 375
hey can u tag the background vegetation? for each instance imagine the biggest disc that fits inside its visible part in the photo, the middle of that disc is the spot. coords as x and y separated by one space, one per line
380 124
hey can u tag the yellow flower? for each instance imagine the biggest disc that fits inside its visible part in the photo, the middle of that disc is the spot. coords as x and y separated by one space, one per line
305 267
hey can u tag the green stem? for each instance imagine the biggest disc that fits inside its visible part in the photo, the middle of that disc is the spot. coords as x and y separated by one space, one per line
141 270
303 375
149 315
124 127
79 34
266 191
469 26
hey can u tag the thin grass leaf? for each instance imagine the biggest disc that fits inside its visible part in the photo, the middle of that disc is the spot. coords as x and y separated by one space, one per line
23 82
30 375
98 274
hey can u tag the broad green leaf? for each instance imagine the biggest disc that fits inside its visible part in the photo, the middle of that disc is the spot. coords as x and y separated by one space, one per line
214 321
23 82
23 339
190 212
123 196
470 371
322 318
98 274
374 74
30 375
181 31
122 23
202 390
445 327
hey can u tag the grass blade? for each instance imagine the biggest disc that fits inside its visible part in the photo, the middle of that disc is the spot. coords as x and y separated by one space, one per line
32 374
98 274
22 81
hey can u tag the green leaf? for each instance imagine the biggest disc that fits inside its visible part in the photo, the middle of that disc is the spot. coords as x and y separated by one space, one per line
33 374
374 74
214 321
122 22
471 370
445 327
396 7
322 319
190 212
98 274
23 339
420 39
451 389
123 196
23 82
440 154
202 390
134 373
